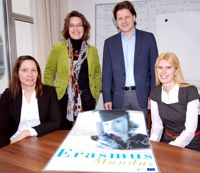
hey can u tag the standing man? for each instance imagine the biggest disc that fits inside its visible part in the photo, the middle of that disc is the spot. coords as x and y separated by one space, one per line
128 63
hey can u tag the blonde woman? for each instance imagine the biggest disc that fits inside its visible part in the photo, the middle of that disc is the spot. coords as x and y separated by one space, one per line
174 105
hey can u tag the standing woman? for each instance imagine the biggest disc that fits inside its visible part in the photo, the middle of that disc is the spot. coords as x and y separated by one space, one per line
76 63
174 106
27 107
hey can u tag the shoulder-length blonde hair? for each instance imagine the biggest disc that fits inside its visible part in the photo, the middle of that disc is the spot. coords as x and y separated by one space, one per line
172 59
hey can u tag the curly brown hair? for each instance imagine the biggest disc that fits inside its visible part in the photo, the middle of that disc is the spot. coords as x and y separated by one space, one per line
86 25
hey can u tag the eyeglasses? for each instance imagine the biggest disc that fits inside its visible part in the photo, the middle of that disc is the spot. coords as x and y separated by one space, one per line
79 25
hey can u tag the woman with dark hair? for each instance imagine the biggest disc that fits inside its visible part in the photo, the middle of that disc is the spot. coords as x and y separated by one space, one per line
174 106
27 107
77 69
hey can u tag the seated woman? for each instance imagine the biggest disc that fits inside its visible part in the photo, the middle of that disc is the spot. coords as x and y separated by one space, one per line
174 105
28 108
121 131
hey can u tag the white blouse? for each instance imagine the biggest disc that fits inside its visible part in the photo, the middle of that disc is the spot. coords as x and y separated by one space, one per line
29 115
190 124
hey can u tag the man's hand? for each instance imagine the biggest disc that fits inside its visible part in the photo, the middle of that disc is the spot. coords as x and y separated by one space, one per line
108 106
149 104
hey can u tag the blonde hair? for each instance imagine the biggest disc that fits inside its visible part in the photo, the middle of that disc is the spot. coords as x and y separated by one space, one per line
172 59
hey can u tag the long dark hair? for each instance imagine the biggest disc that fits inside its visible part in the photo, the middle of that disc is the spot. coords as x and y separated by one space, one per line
15 84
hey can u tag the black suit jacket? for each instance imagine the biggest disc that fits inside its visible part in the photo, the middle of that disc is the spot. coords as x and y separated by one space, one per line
10 112
114 75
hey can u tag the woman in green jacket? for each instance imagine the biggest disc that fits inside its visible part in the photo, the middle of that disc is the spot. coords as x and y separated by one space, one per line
77 69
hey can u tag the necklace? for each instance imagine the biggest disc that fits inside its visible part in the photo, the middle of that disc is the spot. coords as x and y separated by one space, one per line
76 53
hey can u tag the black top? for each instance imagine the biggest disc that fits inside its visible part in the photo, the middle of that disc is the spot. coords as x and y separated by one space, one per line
173 115
83 80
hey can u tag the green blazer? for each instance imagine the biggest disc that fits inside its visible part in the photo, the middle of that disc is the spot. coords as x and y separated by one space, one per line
58 62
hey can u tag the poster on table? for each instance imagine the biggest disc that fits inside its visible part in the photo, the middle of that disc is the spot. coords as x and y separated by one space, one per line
106 141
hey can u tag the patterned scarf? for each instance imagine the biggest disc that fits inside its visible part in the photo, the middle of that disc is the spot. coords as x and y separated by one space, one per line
74 100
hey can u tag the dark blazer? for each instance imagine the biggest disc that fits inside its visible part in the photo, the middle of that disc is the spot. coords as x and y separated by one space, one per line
10 112
113 72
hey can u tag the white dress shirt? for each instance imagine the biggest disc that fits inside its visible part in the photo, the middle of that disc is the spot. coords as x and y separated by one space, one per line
29 115
129 54
191 118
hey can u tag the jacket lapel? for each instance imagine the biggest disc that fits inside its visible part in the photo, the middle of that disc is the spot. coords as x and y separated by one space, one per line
41 107
17 105
138 44
119 50
64 60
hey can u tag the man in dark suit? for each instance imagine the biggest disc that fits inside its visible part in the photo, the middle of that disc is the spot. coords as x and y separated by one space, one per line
128 63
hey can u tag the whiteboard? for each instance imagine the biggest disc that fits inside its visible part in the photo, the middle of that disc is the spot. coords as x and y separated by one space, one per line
106 25
185 43
152 17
